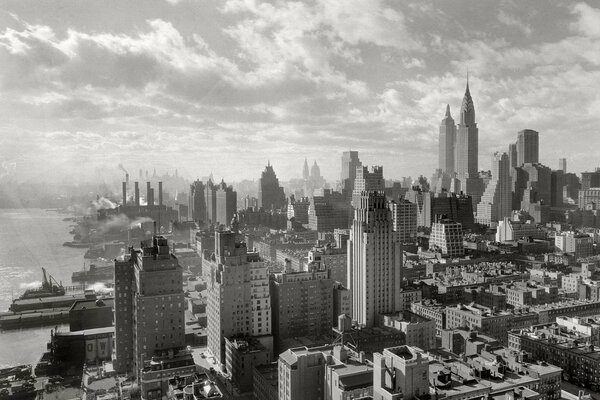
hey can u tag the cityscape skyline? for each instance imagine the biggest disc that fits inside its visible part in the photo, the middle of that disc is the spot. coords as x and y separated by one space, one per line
210 90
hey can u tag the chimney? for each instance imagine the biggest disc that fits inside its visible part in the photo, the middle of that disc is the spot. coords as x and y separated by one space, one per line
124 194
160 199
137 194
148 190
154 228
151 201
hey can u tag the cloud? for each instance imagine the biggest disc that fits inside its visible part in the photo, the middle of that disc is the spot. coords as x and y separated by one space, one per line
588 22
228 79
514 22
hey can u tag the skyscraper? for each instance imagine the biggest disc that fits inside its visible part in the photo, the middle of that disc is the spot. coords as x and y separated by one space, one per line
496 202
367 181
239 302
466 151
528 147
197 202
226 203
374 259
210 195
270 194
305 172
404 217
350 162
562 165
149 317
467 140
447 139
512 159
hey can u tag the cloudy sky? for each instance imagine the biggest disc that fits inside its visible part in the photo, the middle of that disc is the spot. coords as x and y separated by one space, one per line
225 85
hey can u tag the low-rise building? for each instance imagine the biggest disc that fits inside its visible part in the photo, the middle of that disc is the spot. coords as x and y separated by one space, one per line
558 346
419 331
479 318
431 310
509 230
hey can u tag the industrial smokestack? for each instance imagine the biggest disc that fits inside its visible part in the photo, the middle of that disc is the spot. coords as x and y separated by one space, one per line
124 194
151 198
160 199
137 194
148 189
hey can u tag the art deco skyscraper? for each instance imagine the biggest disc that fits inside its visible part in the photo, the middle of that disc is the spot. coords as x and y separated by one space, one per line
270 194
374 260
466 151
467 139
367 181
447 140
496 202
305 172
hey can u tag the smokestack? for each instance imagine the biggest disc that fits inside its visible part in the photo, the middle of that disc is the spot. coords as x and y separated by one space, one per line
160 199
137 194
151 201
124 194
148 189
154 228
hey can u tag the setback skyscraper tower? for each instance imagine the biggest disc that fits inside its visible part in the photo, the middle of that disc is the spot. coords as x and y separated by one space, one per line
374 260
466 153
496 202
447 140
467 139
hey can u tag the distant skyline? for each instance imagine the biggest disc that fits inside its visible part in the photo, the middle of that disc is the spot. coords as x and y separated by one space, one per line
226 85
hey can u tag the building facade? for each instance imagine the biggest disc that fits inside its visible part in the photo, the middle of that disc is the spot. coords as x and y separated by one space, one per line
496 202
374 259
239 302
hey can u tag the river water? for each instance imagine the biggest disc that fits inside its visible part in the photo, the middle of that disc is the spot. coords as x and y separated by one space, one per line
29 240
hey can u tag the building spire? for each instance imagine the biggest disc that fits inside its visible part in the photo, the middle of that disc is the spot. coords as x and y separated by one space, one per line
467 109
447 120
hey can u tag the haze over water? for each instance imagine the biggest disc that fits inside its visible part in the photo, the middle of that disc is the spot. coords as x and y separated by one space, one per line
31 239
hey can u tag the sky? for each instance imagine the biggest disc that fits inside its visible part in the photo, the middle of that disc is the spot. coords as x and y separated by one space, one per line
225 86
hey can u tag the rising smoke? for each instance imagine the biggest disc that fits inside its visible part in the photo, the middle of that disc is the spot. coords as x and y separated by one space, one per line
121 222
100 287
103 203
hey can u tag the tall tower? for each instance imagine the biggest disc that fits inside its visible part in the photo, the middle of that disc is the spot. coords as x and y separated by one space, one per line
270 194
496 202
562 165
149 317
350 162
374 260
447 140
305 173
367 181
466 151
467 140
239 302
528 147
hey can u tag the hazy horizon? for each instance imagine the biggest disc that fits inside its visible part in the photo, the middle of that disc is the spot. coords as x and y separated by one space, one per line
226 86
